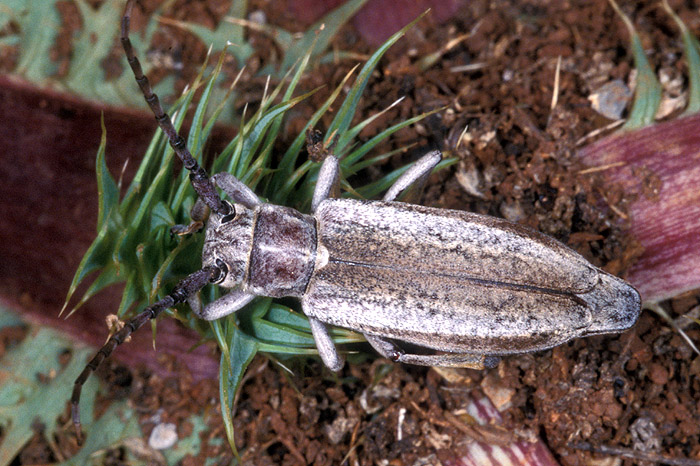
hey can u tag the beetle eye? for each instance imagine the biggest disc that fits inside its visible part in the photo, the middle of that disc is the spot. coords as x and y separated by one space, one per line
220 272
231 213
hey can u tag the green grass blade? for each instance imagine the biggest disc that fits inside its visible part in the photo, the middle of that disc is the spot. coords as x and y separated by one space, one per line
107 190
691 48
362 150
319 35
281 186
345 114
647 95
108 218
255 137
242 349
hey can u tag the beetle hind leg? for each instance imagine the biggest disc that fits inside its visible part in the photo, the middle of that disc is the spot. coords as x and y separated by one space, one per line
409 186
390 351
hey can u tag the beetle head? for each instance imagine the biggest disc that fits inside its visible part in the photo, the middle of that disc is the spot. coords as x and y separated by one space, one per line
228 242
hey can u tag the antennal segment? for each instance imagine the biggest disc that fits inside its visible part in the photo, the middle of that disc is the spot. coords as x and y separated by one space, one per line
198 176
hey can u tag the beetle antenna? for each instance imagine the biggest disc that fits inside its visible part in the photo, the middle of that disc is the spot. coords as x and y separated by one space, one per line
201 182
182 291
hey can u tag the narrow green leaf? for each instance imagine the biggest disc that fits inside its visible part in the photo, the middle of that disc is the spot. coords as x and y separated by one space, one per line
243 350
198 136
691 47
161 216
647 95
285 316
366 147
320 34
97 256
281 186
277 334
132 293
345 114
255 136
107 190
351 133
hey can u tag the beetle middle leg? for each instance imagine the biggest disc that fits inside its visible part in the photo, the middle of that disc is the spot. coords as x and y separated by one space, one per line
328 185
408 187
391 351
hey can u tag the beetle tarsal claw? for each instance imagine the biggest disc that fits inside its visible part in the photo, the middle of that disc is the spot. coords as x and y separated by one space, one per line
183 230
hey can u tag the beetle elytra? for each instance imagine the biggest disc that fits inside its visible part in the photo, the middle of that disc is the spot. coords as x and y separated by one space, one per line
470 288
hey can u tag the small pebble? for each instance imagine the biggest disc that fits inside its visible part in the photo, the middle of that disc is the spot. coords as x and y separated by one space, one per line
163 436
258 17
611 99
658 374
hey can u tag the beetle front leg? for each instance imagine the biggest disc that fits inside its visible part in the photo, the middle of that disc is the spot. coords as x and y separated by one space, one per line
236 189
392 352
326 348
198 215
225 305
409 186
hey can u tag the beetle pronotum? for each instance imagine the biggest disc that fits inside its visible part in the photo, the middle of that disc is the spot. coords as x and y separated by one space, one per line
470 286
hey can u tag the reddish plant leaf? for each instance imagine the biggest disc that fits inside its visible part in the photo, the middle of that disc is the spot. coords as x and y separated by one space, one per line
661 165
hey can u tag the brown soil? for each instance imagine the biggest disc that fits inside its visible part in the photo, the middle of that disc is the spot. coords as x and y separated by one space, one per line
636 391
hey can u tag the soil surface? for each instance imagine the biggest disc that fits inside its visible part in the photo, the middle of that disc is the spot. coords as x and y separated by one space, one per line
635 393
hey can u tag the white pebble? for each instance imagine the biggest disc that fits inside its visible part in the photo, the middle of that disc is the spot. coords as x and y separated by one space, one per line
163 436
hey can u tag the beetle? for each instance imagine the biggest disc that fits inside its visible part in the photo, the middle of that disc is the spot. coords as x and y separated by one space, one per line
468 288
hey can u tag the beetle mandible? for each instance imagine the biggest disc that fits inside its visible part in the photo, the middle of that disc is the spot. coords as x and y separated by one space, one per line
471 287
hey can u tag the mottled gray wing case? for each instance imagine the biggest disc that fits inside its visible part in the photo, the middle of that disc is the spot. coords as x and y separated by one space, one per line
446 279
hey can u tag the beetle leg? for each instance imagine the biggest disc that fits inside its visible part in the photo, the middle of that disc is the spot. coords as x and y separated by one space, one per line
198 214
409 186
390 351
229 184
225 305
236 189
328 183
326 348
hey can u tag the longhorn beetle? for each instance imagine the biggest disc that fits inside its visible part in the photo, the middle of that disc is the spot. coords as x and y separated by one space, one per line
471 287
